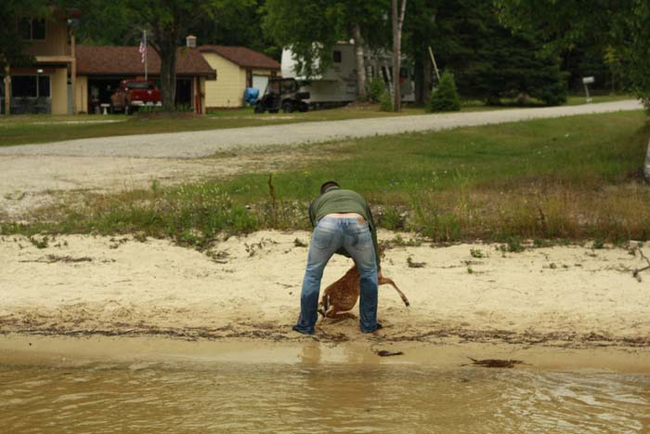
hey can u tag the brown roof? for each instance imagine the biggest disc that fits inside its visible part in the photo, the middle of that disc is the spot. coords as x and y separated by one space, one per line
101 60
242 56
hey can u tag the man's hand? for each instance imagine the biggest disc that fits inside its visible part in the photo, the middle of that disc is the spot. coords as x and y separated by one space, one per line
379 275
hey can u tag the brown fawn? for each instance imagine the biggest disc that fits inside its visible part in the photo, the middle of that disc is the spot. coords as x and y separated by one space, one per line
341 296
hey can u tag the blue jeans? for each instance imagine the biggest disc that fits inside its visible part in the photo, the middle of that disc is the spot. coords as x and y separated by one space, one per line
330 235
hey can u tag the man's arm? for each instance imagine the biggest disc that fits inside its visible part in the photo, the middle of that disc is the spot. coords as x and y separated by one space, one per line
312 214
373 233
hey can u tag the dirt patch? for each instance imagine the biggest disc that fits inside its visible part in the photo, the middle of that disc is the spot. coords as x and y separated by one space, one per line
23 188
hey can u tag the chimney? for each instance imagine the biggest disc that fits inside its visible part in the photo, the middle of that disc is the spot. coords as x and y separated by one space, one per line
191 41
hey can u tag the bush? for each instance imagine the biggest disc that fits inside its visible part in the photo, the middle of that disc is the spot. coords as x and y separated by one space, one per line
445 97
376 88
386 102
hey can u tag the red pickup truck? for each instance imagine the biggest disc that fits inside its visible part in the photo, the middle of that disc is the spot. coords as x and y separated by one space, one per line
133 94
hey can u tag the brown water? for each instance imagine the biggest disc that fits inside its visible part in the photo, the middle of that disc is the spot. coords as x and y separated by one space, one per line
198 396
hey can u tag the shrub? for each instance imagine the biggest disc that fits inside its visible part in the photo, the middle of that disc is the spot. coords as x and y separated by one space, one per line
376 89
445 97
386 102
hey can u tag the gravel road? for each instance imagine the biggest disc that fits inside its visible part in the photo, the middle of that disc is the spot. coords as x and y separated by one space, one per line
204 143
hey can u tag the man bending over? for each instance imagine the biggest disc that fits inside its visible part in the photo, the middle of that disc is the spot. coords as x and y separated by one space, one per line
342 224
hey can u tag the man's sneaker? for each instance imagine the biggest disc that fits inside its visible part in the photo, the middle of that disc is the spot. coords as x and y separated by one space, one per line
379 327
296 329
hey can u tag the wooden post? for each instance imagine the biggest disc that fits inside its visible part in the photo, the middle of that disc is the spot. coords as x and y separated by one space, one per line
73 71
433 60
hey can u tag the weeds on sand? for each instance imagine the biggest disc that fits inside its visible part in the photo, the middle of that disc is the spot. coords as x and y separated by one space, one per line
412 264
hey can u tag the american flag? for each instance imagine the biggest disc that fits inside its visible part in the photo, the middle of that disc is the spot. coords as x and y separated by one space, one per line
143 48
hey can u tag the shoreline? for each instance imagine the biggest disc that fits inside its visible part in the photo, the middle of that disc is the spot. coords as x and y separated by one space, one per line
145 352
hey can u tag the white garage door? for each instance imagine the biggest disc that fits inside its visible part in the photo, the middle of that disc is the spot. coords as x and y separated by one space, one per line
260 82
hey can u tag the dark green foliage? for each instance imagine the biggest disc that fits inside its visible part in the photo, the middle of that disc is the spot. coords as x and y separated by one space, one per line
376 88
618 28
386 102
445 97
12 44
489 62
312 27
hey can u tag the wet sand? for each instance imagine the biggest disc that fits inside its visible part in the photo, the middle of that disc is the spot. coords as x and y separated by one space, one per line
447 354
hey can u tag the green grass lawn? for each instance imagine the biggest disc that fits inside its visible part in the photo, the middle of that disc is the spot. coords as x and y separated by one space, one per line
24 129
568 178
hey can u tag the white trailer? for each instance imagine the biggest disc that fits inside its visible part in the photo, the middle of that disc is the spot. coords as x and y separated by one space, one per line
337 85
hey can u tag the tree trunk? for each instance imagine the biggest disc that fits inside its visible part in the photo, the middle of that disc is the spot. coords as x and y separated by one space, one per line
419 74
396 60
398 22
166 48
427 79
7 85
361 64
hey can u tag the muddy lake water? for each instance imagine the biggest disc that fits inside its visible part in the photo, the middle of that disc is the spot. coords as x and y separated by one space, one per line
198 394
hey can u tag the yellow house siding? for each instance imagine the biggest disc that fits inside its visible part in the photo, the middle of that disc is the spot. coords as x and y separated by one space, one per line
228 89
81 94
55 43
59 91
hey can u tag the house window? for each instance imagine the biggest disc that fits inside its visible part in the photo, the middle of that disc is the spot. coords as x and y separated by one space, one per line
337 56
32 29
30 86
44 86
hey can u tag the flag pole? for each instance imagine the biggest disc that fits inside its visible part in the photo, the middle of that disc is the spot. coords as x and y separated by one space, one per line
146 75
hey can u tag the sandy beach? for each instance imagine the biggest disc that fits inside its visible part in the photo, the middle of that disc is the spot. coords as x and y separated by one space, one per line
248 288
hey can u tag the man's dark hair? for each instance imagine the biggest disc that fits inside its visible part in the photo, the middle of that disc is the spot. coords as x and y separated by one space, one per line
326 186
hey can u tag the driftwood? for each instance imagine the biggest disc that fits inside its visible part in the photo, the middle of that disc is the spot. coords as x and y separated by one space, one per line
50 259
636 273
386 353
495 363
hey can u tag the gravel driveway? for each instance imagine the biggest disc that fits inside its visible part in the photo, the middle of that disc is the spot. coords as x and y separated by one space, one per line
204 143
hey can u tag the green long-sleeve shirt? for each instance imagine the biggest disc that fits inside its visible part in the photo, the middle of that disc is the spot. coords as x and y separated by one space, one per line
337 200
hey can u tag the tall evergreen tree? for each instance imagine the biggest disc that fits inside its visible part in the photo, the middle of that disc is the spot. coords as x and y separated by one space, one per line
489 61
619 27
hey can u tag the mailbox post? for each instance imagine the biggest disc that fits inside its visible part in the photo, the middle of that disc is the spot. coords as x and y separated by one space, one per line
586 81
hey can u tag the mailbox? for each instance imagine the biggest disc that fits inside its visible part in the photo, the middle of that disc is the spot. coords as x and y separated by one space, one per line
588 80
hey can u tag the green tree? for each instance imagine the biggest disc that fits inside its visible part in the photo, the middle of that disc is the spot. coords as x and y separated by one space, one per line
311 28
620 28
167 21
488 61
12 43
238 26
445 97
